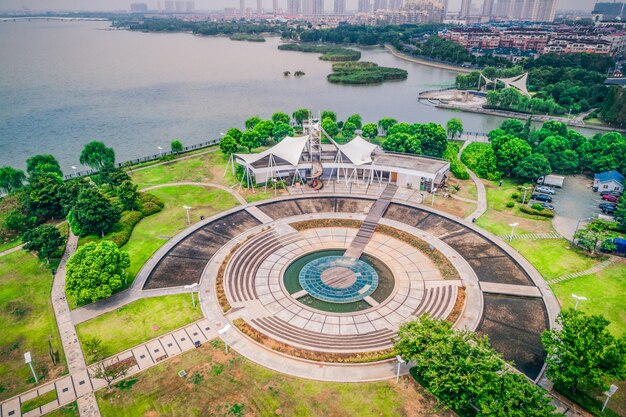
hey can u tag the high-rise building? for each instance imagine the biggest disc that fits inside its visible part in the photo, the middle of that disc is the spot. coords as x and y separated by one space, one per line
275 6
190 6
466 6
259 6
545 10
381 5
318 7
242 7
307 7
444 3
339 7
294 7
170 6
364 6
395 4
503 8
138 7
180 6
488 8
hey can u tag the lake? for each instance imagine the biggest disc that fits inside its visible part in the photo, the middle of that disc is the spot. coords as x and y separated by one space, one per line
63 84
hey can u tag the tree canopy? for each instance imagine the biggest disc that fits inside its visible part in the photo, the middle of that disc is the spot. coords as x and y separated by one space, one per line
369 131
43 163
454 127
45 195
280 117
92 213
11 179
176 146
46 240
330 126
251 139
96 155
228 145
252 122
300 115
281 131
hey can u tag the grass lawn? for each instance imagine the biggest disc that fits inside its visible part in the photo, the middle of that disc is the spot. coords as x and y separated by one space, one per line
139 321
467 188
605 295
27 323
70 410
554 257
229 385
153 231
11 243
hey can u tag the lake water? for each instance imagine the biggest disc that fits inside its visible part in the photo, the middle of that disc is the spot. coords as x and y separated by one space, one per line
63 84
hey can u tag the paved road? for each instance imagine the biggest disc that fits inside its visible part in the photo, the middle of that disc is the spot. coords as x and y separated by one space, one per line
576 200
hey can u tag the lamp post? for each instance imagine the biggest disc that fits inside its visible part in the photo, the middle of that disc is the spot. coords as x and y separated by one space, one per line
578 225
28 360
578 299
400 362
160 150
513 226
432 202
222 331
609 394
74 168
525 191
192 287
187 208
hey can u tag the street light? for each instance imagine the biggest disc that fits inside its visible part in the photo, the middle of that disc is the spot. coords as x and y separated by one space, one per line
513 226
192 287
74 168
578 299
525 191
187 208
160 150
578 225
222 331
609 394
28 360
400 362
432 203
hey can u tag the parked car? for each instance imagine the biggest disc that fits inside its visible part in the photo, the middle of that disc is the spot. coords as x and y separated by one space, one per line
603 193
545 189
547 206
541 197
608 208
610 197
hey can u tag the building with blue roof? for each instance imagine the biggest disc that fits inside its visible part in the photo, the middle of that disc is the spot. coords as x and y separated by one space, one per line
608 181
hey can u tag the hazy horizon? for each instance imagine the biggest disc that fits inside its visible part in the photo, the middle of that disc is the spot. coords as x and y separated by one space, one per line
114 5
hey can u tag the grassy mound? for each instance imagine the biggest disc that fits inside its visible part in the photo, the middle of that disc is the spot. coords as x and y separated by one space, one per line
364 73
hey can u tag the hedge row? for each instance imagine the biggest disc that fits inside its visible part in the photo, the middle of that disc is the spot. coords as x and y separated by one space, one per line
543 213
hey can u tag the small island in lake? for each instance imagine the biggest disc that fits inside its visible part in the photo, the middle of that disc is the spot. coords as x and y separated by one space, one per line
364 73
248 37
329 53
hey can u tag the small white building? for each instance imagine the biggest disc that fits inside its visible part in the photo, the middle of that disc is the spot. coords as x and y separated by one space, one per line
608 181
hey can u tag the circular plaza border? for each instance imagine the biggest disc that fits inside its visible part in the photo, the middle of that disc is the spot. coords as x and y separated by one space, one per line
487 310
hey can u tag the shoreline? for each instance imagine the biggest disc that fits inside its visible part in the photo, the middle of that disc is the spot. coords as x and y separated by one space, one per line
393 51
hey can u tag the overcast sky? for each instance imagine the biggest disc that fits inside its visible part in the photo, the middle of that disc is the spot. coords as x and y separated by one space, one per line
213 4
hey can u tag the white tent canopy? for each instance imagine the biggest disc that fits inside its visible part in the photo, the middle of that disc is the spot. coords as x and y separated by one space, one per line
518 82
358 151
289 149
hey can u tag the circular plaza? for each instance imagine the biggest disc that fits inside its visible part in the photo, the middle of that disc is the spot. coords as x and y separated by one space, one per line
306 284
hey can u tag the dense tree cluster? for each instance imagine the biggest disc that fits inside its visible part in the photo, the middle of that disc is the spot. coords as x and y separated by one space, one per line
428 139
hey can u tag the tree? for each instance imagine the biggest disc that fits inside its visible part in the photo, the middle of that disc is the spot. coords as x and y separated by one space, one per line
92 213
228 145
402 142
348 130
109 371
532 167
370 131
511 153
235 133
251 139
596 231
454 127
70 191
42 163
280 117
583 353
432 137
327 114
300 115
252 122
111 176
11 179
96 271
127 195
385 123
265 129
45 240
330 127
281 131
176 146
44 197
96 155
513 127
355 119
17 221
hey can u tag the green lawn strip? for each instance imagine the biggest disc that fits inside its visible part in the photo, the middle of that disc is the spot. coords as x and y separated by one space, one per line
69 410
139 322
10 244
554 258
37 402
229 385
27 322
605 295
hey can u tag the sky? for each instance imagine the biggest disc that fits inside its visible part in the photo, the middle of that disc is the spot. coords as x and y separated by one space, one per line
93 5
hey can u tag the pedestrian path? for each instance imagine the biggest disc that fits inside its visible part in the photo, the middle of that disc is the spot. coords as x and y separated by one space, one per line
597 268
531 236
480 188
8 251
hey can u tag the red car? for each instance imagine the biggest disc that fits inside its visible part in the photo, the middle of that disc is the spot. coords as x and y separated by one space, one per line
610 197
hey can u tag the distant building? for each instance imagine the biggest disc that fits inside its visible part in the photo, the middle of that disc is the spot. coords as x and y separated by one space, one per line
180 6
608 181
170 6
190 6
466 6
307 7
294 7
242 7
138 7
529 10
417 11
318 7
381 5
488 8
396 4
275 8
605 11
259 6
364 6
339 7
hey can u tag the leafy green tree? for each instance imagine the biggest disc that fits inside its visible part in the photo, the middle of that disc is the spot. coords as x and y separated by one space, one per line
369 131
513 127
252 122
583 353
348 130
385 123
176 146
402 142
70 191
608 152
251 139
330 127
454 127
17 221
614 107
281 131
280 117
96 155
96 271
127 194
327 114
566 162
265 129
45 240
235 133
526 132
111 176
92 213
593 233
432 137
532 167
44 197
43 163
300 115
355 119
228 145
11 179
511 153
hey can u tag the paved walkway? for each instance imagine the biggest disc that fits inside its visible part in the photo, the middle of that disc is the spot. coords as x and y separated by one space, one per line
480 187
597 268
533 236
229 190
15 249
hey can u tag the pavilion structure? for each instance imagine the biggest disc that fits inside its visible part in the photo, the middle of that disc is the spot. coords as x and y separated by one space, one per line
518 82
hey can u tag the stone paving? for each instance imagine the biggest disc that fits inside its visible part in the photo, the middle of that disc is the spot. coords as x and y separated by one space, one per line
533 236
594 269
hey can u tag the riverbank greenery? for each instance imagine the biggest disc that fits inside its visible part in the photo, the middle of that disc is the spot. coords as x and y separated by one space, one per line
246 37
364 73
328 52
207 28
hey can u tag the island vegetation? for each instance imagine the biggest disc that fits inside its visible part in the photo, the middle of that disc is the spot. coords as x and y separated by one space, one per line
364 73
328 52
248 37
